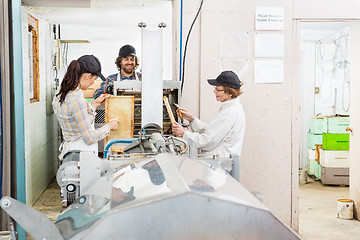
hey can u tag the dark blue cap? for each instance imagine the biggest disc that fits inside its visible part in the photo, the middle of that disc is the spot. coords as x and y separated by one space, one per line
127 50
91 64
226 78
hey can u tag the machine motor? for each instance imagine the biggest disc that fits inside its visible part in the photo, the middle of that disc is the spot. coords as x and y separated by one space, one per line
68 178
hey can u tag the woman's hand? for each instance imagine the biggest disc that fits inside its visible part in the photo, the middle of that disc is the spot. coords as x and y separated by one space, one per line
178 130
113 124
100 100
185 114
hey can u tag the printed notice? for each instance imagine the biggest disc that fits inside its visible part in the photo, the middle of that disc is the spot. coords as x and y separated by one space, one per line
269 18
269 45
268 70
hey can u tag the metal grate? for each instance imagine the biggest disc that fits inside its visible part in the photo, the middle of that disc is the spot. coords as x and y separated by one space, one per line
100 116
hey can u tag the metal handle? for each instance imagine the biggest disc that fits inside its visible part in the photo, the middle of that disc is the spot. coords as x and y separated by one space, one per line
348 129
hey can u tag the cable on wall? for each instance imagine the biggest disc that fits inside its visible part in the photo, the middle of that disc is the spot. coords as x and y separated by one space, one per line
186 43
338 60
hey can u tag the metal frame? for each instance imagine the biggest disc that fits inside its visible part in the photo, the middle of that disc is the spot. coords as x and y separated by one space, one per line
5 114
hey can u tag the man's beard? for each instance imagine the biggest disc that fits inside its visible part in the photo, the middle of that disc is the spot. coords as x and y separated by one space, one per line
126 70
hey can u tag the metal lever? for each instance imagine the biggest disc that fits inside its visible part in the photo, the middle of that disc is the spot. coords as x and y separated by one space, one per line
33 221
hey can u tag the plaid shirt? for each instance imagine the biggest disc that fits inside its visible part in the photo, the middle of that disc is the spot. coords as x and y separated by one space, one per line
111 79
76 117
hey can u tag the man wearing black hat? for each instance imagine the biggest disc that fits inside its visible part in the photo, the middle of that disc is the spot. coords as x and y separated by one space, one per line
225 134
126 62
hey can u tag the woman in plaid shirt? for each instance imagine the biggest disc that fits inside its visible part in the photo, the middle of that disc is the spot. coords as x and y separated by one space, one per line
75 115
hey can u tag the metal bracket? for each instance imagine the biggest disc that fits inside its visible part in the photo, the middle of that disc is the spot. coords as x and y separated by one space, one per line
142 25
162 25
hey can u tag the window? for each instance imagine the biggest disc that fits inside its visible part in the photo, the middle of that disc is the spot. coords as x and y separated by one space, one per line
33 40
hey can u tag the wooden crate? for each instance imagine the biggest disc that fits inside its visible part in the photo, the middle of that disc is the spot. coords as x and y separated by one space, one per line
313 140
335 159
339 142
337 124
334 176
121 108
313 167
311 154
318 125
89 93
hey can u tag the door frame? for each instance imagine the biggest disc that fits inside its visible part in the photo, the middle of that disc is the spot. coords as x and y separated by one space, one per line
296 118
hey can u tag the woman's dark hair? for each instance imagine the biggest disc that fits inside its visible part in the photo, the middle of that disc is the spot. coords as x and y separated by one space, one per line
71 80
234 93
119 59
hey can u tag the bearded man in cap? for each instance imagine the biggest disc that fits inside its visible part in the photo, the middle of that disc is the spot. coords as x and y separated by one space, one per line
126 63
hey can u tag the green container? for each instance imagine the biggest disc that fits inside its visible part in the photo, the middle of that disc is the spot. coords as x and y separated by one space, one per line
318 125
314 139
318 170
332 141
312 166
337 124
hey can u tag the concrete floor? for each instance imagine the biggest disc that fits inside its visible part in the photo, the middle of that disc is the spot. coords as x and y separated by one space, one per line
317 211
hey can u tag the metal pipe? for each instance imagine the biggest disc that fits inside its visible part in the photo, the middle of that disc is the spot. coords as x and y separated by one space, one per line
13 232
235 170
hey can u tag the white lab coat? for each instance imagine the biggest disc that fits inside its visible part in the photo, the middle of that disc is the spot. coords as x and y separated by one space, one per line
222 136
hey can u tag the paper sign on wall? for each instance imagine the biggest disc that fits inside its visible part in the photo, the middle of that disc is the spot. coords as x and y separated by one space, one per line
238 66
269 45
269 18
234 45
268 70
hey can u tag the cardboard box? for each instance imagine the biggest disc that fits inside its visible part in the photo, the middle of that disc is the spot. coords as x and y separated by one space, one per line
89 93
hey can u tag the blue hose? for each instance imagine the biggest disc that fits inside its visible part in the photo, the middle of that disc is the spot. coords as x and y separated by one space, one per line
181 23
113 141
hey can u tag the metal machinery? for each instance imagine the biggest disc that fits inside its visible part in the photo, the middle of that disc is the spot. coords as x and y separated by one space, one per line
152 191
171 89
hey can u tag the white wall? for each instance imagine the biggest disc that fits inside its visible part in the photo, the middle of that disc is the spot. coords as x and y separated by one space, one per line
326 9
307 95
40 125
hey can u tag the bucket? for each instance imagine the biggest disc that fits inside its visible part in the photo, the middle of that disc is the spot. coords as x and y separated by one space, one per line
345 208
302 177
5 235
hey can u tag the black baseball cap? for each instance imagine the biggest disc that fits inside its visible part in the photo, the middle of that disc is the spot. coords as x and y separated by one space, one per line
91 64
226 78
127 50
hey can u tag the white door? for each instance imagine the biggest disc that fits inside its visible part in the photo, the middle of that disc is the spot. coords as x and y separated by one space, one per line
355 118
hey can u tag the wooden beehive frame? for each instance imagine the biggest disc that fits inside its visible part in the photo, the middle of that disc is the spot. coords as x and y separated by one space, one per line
121 108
